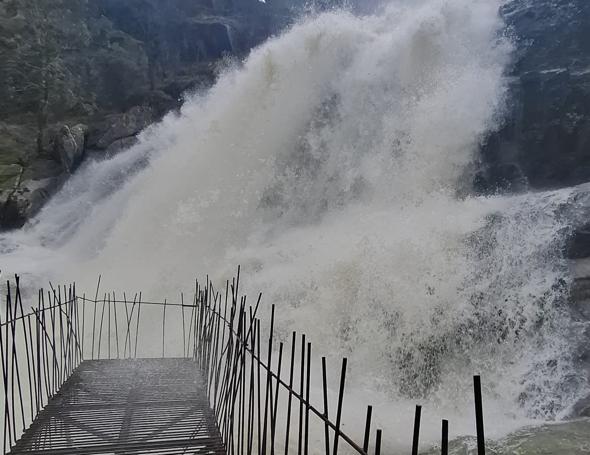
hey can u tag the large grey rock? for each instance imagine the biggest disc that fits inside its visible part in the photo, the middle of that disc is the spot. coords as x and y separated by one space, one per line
30 187
120 144
25 201
120 126
68 146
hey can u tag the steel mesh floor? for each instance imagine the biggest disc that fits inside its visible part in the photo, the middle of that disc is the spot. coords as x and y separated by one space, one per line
143 406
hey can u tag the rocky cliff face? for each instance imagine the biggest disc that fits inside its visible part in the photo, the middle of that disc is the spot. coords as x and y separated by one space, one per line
81 77
117 66
109 68
545 142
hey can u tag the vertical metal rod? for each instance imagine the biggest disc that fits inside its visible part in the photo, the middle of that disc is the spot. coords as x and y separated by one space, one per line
69 335
73 334
301 390
53 345
104 300
26 337
63 337
251 388
273 418
71 319
216 373
69 315
190 331
39 365
268 389
164 330
215 367
127 320
481 448
129 317
290 390
233 389
94 317
307 387
339 407
116 324
183 329
237 377
109 328
243 367
199 302
11 368
416 430
137 327
83 326
367 429
48 347
227 364
15 365
60 338
67 341
259 400
326 415
8 402
43 325
33 365
79 332
7 427
378 443
444 443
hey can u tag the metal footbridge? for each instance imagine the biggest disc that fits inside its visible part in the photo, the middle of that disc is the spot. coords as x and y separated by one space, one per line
127 376
126 407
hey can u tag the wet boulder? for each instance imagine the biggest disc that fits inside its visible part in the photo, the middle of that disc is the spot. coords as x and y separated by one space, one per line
69 146
120 126
30 191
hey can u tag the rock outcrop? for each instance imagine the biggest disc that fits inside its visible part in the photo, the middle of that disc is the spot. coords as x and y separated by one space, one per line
545 141
116 130
69 146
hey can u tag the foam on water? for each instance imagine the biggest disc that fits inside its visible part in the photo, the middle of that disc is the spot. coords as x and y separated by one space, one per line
330 166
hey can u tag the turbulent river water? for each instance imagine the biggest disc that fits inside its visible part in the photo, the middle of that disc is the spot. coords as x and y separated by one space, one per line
333 165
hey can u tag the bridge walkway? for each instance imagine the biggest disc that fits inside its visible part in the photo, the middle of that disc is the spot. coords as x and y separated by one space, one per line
139 406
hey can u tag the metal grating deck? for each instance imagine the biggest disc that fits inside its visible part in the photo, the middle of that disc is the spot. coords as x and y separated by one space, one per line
143 406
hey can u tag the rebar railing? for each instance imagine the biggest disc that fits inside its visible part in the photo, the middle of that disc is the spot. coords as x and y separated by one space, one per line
39 350
245 388
41 346
260 391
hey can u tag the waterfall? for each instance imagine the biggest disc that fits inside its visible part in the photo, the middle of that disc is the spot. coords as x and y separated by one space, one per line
333 166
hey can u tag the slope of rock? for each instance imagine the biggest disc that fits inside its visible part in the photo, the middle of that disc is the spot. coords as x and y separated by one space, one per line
545 142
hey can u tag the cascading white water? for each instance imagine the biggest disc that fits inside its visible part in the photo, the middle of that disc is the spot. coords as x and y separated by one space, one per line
329 165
